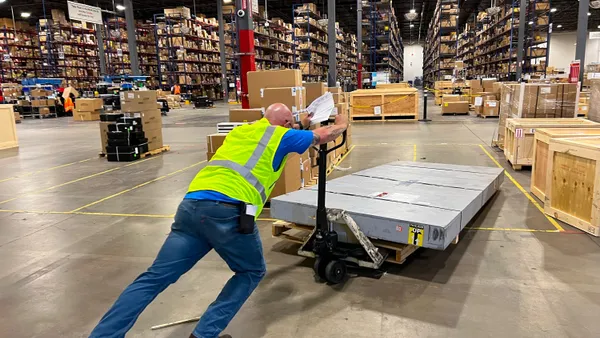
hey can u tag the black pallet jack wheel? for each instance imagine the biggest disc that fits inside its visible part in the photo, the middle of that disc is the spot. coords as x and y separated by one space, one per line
335 271
319 266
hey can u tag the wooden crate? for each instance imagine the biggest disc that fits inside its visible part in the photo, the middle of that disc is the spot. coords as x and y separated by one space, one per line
8 130
519 136
393 85
573 182
384 104
540 153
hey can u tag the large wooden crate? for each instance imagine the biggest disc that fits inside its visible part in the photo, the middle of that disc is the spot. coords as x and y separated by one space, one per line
519 136
540 153
399 85
384 104
573 182
8 130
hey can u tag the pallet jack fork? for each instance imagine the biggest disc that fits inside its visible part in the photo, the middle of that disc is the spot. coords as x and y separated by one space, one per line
332 256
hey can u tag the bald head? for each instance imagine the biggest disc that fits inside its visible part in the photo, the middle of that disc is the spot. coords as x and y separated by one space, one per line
279 114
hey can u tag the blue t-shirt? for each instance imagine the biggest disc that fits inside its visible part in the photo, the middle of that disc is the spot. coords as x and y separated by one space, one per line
293 141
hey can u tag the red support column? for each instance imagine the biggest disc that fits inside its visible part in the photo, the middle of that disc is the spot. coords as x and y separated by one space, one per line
245 28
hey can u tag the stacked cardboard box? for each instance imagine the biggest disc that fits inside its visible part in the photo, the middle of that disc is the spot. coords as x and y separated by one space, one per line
314 90
258 81
455 104
293 97
142 104
88 110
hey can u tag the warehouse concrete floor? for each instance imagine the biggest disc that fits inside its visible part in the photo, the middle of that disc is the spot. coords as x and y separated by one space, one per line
76 229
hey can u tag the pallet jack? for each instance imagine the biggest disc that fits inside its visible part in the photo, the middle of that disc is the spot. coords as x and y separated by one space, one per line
333 256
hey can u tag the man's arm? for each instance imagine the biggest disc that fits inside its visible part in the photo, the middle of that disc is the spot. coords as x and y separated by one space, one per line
331 132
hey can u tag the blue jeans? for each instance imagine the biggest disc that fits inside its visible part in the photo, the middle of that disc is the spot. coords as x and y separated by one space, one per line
199 226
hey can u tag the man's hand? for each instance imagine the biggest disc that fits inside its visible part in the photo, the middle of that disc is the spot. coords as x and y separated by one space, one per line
306 120
341 120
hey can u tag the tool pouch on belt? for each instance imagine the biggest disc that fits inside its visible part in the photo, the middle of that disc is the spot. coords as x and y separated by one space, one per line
247 213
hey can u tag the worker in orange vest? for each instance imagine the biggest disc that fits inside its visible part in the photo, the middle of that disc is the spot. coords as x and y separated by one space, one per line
176 90
69 105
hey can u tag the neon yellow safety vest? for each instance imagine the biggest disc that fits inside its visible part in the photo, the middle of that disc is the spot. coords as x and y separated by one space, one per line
242 168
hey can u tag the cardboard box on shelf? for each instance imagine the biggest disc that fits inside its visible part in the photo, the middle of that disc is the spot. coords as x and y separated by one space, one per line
39 103
40 93
335 90
89 104
44 111
50 102
291 177
214 142
245 115
23 103
86 115
17 116
455 107
292 97
314 90
259 80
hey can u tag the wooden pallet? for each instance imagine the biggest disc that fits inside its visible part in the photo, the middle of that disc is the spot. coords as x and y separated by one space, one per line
147 154
518 167
299 233
454 114
488 116
156 151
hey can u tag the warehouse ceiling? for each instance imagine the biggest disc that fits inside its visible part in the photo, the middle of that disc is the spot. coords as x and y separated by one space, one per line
566 14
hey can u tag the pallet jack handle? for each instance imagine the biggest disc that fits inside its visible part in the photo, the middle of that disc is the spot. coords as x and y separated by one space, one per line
322 222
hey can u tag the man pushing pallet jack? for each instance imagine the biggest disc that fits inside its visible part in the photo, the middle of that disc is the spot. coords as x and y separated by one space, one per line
219 212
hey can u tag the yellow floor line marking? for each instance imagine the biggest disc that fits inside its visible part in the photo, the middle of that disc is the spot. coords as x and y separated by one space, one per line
48 169
414 153
138 186
342 159
77 180
529 197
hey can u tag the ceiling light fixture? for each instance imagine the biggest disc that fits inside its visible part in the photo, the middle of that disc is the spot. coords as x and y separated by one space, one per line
120 7
25 14
531 22
411 25
553 10
559 26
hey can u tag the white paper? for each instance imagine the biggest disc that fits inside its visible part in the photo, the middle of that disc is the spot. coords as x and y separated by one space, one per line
130 95
377 110
507 98
478 101
293 91
321 108
545 90
262 92
491 104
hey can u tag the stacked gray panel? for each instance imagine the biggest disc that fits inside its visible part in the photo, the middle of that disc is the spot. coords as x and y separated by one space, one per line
386 200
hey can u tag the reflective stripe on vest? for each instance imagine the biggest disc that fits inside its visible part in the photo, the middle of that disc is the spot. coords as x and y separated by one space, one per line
246 170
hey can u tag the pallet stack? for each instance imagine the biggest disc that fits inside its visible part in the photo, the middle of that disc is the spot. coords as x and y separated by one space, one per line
136 130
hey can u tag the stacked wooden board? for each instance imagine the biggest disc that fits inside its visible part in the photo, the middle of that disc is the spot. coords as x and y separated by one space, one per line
384 104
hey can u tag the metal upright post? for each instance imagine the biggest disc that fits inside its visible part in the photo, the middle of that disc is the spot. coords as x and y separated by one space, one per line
521 44
582 27
359 43
101 55
425 119
246 45
332 34
131 38
222 50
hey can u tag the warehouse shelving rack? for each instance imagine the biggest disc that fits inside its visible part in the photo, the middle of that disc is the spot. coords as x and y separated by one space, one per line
187 58
346 60
496 41
442 42
69 52
382 37
20 54
274 49
310 43
117 51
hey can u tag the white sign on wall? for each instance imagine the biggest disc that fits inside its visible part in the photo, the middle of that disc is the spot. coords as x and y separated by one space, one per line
594 35
255 6
84 13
